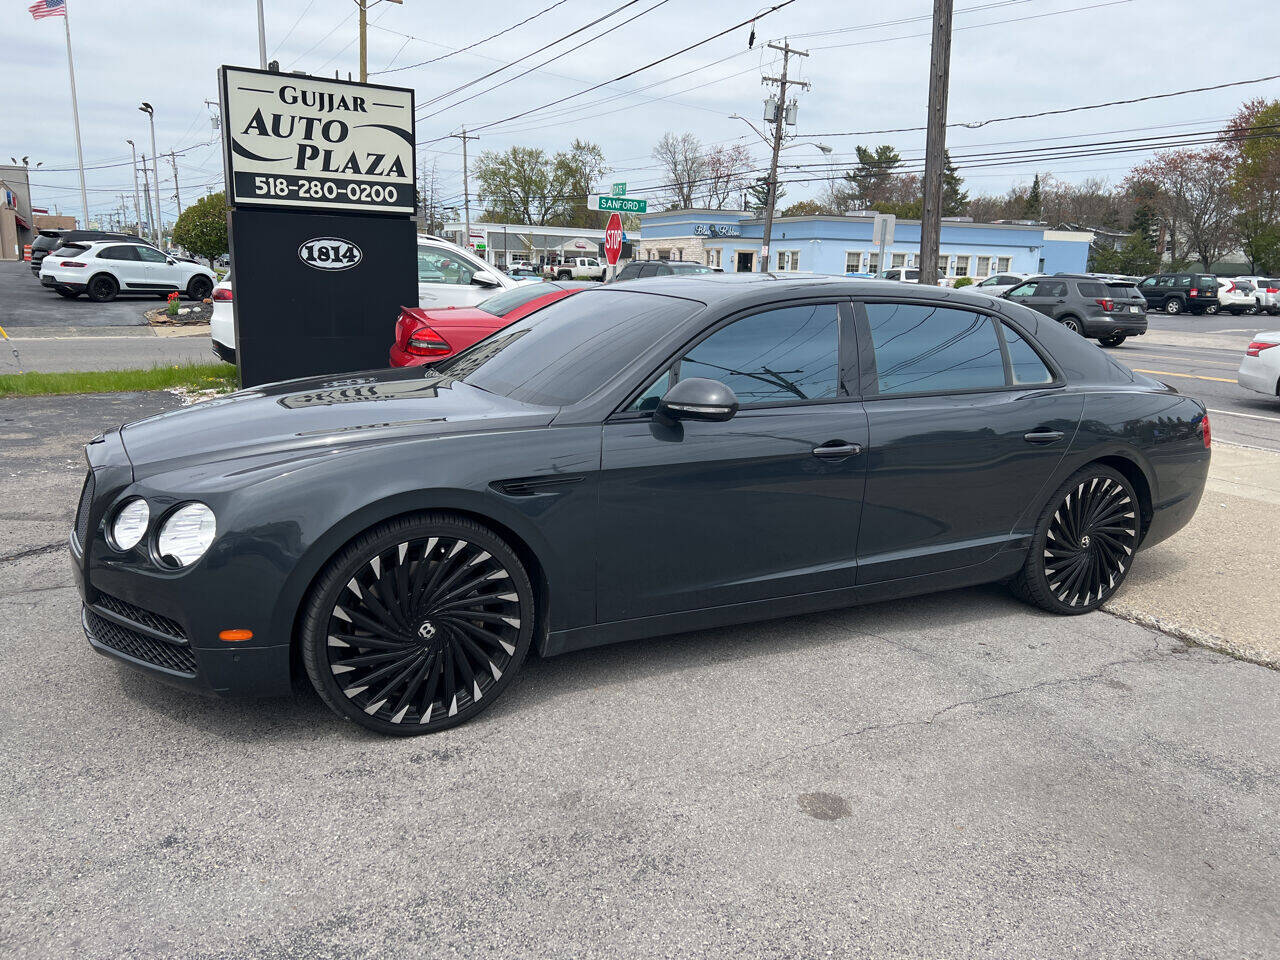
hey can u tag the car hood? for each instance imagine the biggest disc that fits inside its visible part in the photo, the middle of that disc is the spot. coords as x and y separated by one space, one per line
320 414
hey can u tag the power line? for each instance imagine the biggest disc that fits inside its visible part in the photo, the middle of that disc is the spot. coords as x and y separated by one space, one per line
446 56
289 32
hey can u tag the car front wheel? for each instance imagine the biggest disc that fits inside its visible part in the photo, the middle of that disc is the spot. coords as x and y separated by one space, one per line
418 625
198 288
1083 545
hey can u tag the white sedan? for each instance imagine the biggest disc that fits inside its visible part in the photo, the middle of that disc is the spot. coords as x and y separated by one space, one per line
104 269
1260 368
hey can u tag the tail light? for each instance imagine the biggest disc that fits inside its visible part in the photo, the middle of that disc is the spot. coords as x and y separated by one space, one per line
71 263
1106 304
1204 431
222 293
1257 347
1229 288
1273 289
427 342
1195 292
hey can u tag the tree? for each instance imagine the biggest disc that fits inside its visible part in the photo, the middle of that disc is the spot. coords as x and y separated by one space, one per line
1135 257
1031 209
726 175
870 181
955 200
518 186
430 208
202 227
758 194
1255 181
574 172
805 208
1193 194
684 165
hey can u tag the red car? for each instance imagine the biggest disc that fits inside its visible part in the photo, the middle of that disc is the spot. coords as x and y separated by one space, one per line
425 336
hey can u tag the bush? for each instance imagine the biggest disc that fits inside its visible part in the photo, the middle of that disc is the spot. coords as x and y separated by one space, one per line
964 282
202 227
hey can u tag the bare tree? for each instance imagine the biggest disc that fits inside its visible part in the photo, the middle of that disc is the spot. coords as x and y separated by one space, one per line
726 175
1194 198
684 164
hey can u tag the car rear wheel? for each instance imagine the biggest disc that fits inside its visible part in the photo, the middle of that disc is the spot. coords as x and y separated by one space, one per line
1083 545
418 625
199 288
103 288
1173 306
1112 341
1071 323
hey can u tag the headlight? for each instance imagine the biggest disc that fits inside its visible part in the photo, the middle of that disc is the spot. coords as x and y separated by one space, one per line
130 524
186 535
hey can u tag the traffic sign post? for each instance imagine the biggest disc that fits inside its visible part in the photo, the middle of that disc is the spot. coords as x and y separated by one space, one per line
616 204
613 243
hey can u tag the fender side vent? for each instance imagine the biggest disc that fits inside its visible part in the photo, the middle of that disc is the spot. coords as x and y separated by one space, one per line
533 486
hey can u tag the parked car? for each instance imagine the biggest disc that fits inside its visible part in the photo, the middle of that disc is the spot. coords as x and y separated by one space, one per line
1260 367
525 274
580 268
1236 296
428 336
637 269
1180 292
1000 283
1107 311
1266 293
222 327
449 276
901 274
630 461
50 240
103 269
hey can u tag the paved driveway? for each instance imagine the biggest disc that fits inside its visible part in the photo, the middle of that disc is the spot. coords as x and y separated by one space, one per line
24 303
953 776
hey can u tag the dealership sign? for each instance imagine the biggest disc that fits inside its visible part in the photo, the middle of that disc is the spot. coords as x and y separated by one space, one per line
717 230
306 143
330 253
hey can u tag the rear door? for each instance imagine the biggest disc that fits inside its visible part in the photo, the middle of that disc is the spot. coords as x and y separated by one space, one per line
967 424
126 265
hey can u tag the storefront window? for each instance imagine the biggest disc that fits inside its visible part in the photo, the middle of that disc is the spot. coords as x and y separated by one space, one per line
984 267
962 266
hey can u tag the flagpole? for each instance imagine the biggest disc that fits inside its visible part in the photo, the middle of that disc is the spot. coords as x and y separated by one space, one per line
75 115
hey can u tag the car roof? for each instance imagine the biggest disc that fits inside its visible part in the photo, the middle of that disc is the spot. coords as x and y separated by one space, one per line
722 289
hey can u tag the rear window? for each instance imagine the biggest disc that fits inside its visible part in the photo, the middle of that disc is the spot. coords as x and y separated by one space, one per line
500 304
1122 290
1244 286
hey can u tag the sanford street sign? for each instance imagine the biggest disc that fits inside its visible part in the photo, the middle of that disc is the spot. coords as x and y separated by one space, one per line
303 142
616 204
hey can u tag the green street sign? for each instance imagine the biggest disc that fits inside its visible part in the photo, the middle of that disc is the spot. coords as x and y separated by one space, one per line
619 189
618 205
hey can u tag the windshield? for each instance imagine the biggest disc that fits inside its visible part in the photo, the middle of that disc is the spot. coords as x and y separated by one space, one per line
568 350
500 304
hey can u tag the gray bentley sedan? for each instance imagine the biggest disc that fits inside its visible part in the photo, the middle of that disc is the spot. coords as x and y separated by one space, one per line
645 458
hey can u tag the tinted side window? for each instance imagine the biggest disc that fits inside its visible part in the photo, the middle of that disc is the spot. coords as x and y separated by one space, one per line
1026 363
649 270
149 254
780 355
118 253
1051 288
1027 289
440 265
630 272
1092 291
920 349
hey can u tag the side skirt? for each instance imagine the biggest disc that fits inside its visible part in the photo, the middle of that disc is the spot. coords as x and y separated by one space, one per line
1002 565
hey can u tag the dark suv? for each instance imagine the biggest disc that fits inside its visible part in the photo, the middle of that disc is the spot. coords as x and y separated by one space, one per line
662 268
51 240
1108 311
1181 292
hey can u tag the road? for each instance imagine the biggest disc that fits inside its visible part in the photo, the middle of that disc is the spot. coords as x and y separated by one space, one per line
1199 356
957 775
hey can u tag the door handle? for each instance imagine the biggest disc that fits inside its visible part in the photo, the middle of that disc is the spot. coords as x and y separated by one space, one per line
837 450
1043 436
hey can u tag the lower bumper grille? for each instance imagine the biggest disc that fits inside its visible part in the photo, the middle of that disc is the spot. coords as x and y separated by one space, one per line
139 646
153 621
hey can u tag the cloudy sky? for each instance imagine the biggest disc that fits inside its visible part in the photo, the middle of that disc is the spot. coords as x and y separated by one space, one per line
868 67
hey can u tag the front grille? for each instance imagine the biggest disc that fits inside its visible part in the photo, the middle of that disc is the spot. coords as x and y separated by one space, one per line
156 622
82 512
139 646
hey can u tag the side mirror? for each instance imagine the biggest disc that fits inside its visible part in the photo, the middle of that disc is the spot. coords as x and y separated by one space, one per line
698 399
171 261
486 280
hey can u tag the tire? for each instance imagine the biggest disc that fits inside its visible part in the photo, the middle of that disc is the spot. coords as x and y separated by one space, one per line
388 588
564 276
1071 550
67 292
1211 310
102 288
1113 341
199 287
1071 323
1235 311
1173 306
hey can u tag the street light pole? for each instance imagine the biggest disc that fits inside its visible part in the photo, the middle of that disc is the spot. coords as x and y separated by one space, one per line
150 111
779 122
137 206
262 38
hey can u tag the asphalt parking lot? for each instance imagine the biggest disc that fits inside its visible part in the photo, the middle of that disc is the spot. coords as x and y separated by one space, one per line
956 775
24 303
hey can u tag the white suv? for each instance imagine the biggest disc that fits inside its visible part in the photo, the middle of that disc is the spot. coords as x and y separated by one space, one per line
106 268
449 276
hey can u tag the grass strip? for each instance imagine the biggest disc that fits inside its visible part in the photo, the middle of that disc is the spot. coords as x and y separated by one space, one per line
221 377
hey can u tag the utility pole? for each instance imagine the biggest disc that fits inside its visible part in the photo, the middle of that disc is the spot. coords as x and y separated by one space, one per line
137 206
779 125
466 190
176 197
935 143
146 190
364 41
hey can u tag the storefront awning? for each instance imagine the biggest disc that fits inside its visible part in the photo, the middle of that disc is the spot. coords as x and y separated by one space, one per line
22 223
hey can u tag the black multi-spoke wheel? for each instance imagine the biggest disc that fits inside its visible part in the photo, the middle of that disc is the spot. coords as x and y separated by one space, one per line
1084 543
418 625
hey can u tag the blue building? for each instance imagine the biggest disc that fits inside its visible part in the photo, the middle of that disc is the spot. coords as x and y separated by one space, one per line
731 239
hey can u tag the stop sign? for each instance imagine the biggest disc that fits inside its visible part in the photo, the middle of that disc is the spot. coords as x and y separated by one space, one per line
613 240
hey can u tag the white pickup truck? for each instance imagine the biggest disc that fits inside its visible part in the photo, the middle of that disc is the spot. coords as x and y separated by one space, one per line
579 268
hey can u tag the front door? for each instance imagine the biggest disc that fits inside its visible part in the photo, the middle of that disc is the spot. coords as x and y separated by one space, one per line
700 515
161 275
746 261
445 278
968 425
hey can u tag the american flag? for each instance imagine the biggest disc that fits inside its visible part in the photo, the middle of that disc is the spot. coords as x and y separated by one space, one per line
48 8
